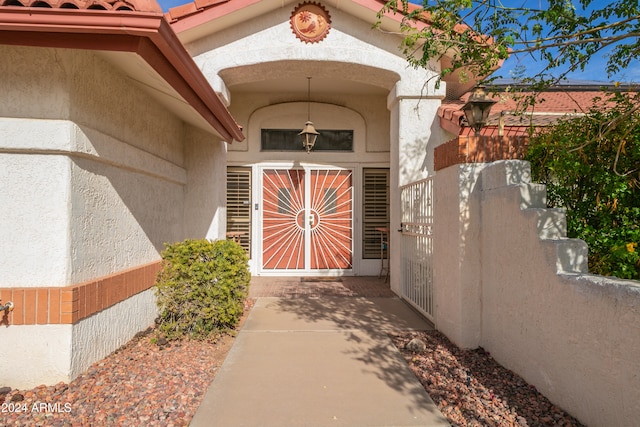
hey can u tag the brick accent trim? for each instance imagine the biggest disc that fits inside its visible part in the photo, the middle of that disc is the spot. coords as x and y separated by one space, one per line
70 304
479 149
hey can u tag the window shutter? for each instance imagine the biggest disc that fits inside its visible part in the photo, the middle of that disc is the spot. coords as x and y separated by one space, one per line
239 205
375 208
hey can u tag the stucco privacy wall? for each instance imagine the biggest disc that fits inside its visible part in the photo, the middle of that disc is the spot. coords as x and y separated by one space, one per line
526 295
95 180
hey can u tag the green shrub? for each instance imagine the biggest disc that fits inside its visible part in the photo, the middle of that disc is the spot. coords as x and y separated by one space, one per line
591 167
201 288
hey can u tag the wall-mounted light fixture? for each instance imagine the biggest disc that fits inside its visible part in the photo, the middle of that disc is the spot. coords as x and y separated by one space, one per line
309 133
477 109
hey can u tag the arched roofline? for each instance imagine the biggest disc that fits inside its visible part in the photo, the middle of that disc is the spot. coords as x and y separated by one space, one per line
254 72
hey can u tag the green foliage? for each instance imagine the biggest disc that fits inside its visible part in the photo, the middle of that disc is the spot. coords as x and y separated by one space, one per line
477 35
201 287
591 166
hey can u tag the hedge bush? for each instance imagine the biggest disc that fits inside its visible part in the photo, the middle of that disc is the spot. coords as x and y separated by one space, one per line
201 288
591 167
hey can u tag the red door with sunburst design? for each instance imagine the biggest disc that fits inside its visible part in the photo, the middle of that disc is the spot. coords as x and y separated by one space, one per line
307 219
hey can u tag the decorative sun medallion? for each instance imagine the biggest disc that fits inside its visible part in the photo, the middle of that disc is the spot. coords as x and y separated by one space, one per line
310 22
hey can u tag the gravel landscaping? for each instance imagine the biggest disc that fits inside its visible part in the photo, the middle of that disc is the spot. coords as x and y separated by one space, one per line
141 384
472 389
161 384
147 382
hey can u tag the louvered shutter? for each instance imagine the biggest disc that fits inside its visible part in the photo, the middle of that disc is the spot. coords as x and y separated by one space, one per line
239 205
375 208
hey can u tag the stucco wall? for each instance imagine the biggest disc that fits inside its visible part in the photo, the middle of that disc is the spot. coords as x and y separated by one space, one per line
205 193
34 248
268 38
48 354
97 176
34 355
572 335
458 309
97 336
367 113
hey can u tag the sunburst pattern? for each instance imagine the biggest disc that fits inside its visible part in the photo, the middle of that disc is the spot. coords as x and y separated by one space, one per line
331 240
288 222
282 237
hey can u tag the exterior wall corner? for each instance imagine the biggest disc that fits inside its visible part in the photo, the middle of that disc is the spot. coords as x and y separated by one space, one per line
457 237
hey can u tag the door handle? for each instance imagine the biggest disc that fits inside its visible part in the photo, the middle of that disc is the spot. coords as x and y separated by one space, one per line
312 219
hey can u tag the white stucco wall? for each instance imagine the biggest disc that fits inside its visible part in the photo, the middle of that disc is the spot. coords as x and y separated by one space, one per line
95 178
268 38
95 182
526 297
458 308
47 354
97 336
34 248
205 193
34 355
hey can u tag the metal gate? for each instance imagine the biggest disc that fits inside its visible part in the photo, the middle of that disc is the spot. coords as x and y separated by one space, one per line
417 245
307 219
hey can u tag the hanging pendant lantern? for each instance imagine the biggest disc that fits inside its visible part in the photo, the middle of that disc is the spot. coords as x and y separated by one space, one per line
309 136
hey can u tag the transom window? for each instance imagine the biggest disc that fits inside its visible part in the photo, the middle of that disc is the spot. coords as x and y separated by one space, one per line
289 140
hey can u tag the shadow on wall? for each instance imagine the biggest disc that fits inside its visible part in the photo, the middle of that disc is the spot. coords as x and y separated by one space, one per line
415 162
127 203
205 191
418 158
123 212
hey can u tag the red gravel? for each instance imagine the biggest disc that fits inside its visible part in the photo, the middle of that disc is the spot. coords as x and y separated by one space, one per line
472 389
141 384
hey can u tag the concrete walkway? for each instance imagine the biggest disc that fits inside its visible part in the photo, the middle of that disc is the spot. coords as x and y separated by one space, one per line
319 361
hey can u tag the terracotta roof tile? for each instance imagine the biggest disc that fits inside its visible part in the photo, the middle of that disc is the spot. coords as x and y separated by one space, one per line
119 5
180 12
199 6
550 106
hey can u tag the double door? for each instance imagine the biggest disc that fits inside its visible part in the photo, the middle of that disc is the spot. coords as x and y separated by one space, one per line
307 219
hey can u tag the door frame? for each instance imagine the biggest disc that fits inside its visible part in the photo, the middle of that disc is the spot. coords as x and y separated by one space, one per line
258 206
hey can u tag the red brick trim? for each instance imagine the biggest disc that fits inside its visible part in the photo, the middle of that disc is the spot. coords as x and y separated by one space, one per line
70 304
479 149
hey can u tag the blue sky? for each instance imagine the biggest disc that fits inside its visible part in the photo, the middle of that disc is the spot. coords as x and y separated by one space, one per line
167 4
594 71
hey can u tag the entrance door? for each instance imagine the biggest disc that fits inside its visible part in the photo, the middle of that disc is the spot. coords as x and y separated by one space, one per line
307 221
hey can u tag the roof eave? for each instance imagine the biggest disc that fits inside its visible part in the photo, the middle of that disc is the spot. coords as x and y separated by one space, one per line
146 34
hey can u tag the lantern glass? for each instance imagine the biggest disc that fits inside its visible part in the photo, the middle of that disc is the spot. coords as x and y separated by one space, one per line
477 109
309 136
